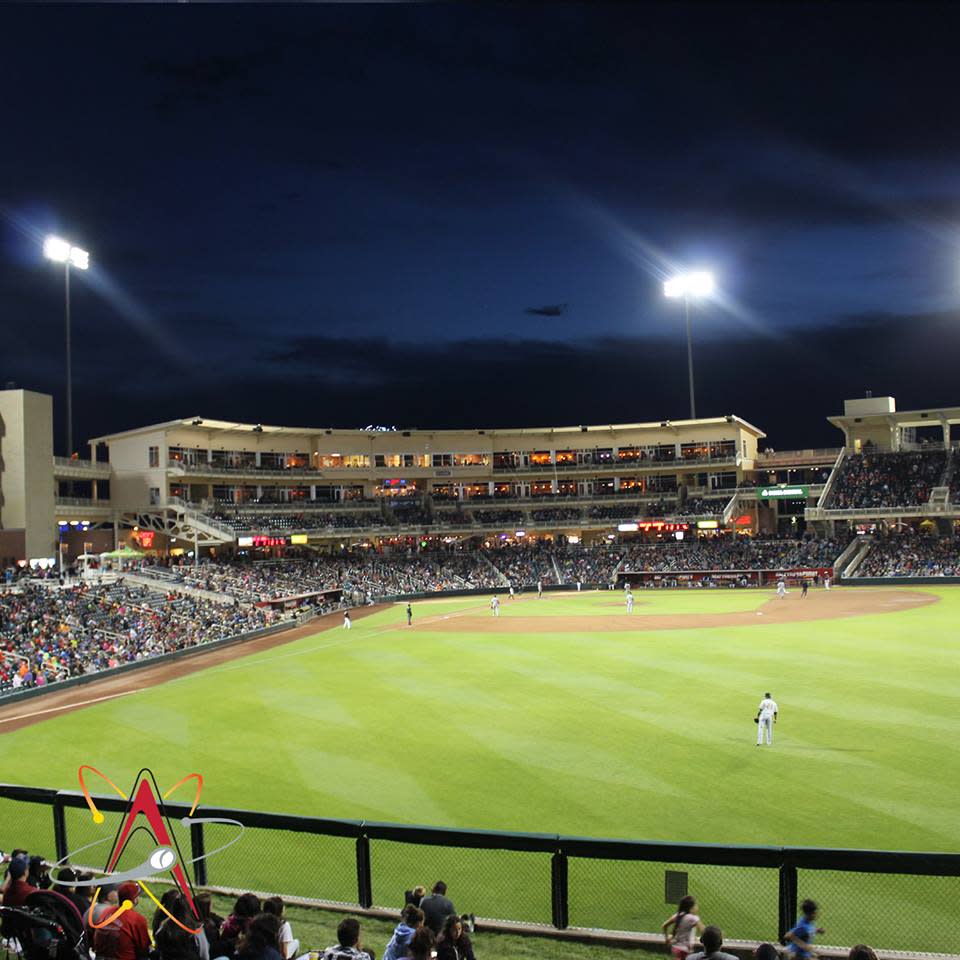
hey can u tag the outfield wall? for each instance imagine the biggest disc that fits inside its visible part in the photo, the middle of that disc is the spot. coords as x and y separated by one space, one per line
548 883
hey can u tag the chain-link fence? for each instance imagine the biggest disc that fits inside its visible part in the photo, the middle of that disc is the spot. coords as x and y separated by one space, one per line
893 901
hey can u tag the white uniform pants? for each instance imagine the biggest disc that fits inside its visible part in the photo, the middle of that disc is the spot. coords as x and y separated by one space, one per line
347 625
765 724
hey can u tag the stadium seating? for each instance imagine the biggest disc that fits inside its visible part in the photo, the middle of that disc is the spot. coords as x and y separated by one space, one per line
911 555
887 480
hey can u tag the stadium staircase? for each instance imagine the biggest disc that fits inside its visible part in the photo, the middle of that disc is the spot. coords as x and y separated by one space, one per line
850 559
504 582
168 582
556 568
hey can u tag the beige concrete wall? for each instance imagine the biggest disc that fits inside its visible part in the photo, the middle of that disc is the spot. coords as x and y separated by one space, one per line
26 469
131 474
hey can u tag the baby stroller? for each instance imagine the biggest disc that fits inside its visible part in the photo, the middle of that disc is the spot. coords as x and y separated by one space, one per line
47 927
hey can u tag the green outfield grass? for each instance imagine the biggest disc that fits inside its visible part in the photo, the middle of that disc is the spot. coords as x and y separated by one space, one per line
644 735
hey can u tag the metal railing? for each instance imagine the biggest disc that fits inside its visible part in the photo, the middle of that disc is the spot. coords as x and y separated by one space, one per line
81 502
545 879
98 467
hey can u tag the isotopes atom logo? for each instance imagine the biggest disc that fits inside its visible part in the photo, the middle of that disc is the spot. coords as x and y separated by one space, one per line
145 800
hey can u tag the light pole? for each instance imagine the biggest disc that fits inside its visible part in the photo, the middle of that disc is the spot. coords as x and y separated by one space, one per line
687 286
60 251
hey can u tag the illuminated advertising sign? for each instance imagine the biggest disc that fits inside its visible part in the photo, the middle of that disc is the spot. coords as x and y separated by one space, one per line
627 527
298 538
781 491
244 541
146 538
661 526
744 520
261 541
707 525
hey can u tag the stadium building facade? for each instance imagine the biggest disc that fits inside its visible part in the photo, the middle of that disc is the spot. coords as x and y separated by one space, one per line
200 484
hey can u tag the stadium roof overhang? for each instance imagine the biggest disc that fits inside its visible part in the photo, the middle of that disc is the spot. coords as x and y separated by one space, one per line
228 427
902 418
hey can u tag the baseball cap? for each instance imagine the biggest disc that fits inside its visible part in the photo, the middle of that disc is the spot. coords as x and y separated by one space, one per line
129 890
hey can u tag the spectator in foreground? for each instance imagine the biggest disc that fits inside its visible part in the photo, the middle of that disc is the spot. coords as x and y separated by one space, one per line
261 940
66 879
348 943
422 944
211 922
414 896
799 940
683 926
16 887
289 945
125 934
244 910
437 907
862 952
712 941
454 942
107 899
411 920
767 951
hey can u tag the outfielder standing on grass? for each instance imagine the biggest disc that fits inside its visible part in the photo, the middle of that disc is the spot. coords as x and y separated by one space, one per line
495 606
765 719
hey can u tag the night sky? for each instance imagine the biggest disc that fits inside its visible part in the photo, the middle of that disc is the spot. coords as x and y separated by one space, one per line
442 216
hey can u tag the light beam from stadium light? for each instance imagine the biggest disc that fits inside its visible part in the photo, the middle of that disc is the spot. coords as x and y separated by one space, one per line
697 283
60 251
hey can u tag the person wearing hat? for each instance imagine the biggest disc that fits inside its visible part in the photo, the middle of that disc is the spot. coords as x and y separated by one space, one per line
17 888
122 933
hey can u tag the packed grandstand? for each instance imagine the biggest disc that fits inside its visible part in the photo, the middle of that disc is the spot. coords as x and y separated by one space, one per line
52 630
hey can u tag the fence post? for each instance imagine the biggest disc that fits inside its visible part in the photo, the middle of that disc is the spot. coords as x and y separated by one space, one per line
199 853
787 897
59 827
364 881
559 890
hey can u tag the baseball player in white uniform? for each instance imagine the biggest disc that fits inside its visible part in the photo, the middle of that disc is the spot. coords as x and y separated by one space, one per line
629 601
512 594
495 606
826 583
347 622
781 588
539 589
766 718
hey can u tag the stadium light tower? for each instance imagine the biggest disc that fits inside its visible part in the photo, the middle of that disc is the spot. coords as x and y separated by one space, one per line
60 251
689 286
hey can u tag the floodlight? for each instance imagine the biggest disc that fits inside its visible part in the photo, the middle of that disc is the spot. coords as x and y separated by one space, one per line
54 248
673 288
697 284
79 258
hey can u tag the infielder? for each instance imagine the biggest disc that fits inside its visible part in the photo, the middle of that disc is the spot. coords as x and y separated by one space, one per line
826 583
781 588
539 589
766 718
495 606
629 601
347 623
511 591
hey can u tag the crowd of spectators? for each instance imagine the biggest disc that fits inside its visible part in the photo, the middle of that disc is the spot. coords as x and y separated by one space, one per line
728 553
499 517
588 565
555 514
331 520
911 555
869 480
524 564
109 921
49 634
